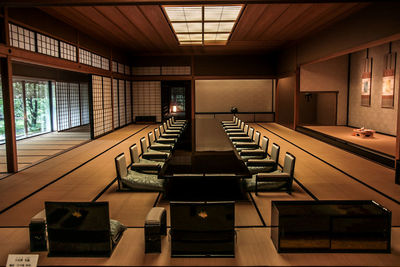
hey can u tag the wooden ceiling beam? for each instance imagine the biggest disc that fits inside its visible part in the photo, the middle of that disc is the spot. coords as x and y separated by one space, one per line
39 3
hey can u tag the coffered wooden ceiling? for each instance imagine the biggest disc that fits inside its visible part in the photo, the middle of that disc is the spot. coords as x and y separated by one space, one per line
261 28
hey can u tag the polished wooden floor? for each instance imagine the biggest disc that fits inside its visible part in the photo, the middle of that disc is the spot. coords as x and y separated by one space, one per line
87 173
379 142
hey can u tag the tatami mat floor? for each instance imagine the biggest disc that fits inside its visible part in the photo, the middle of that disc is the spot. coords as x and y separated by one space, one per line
83 173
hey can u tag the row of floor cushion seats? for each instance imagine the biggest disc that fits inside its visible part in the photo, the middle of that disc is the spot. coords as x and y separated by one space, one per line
266 176
143 172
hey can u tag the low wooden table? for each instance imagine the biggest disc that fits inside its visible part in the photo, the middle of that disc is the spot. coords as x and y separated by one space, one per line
363 132
330 226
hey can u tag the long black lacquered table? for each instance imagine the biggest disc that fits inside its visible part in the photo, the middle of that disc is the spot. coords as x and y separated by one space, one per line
208 161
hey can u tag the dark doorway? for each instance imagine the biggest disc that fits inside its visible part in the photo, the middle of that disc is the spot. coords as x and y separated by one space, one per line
318 108
176 99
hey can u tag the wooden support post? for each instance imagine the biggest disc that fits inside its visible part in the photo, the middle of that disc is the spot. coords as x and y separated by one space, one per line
9 121
276 117
193 95
296 99
397 162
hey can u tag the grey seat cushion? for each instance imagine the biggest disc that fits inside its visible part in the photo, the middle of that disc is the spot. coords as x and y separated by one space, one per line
258 169
246 158
142 160
116 230
143 182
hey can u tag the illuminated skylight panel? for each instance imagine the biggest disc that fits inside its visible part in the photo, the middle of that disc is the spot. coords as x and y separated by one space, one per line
218 26
221 13
202 25
186 13
190 37
184 27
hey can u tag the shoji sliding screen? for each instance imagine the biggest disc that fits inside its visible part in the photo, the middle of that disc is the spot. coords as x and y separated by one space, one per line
62 106
72 105
84 96
147 99
98 109
115 101
121 94
75 112
108 116
128 102
102 105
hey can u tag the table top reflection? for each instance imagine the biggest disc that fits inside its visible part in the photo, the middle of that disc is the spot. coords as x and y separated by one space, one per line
206 152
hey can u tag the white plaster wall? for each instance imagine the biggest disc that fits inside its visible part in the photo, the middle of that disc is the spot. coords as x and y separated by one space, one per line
330 75
221 95
375 117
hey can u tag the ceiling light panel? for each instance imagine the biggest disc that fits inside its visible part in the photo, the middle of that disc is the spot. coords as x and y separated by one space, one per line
186 13
203 25
218 26
185 27
221 13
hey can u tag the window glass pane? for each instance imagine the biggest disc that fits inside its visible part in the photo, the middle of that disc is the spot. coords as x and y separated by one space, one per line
37 107
19 109
177 99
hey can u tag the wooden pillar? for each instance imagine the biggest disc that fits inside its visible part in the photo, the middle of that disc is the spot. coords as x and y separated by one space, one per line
192 83
397 162
9 121
296 99
276 117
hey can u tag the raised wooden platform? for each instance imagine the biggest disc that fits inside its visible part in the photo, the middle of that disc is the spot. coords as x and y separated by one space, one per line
379 148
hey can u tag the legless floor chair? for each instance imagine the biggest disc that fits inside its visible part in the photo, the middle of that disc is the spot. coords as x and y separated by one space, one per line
267 164
143 165
243 138
164 140
282 179
136 181
158 146
151 154
258 153
248 145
